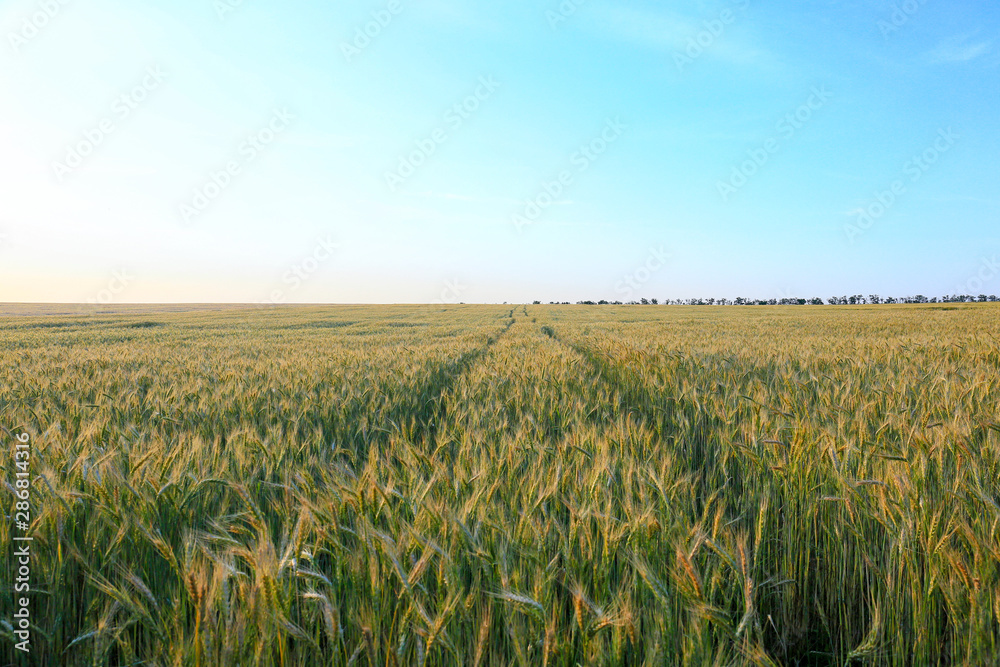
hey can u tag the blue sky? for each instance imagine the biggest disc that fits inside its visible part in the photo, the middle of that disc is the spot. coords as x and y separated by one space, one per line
259 151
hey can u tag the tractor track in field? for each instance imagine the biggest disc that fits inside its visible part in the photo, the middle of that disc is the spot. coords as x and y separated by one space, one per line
426 405
611 375
679 422
658 412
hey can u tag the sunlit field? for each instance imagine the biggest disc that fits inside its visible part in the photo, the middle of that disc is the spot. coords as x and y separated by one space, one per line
507 485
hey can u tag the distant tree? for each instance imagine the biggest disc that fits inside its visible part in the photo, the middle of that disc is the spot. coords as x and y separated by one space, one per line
875 299
817 301
536 303
654 302
644 301
602 302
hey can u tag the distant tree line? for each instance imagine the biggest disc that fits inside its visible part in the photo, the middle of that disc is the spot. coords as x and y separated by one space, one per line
853 300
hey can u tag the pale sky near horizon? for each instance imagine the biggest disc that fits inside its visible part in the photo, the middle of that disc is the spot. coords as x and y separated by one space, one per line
249 151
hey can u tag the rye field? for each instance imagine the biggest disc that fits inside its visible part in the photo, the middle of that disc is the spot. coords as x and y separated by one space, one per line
506 485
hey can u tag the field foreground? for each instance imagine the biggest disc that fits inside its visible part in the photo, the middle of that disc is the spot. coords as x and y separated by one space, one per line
494 485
